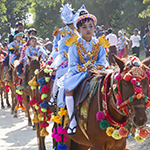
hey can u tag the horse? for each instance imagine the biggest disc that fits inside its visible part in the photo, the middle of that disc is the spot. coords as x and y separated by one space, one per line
131 107
41 139
2 87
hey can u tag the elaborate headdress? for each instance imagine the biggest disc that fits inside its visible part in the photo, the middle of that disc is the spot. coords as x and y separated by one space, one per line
66 14
78 17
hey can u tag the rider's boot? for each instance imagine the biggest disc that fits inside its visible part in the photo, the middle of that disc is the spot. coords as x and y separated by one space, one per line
70 108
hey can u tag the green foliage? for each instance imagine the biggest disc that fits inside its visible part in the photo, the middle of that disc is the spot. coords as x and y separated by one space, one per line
118 14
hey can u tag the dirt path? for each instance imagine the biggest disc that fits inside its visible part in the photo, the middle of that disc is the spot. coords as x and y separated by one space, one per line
16 135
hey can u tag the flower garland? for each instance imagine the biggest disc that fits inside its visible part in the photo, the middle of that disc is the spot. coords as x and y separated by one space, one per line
95 52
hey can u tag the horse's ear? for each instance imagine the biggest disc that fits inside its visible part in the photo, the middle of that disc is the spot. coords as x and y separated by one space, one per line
40 57
119 62
29 58
146 62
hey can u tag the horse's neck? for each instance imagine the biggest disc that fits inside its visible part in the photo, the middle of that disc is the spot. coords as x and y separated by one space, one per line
114 114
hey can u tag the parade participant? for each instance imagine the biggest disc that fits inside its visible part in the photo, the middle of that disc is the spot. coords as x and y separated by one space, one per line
32 50
122 44
84 55
113 43
135 41
14 49
146 42
5 47
20 27
61 61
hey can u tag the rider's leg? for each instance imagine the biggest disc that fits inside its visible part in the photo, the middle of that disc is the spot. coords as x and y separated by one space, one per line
70 109
55 88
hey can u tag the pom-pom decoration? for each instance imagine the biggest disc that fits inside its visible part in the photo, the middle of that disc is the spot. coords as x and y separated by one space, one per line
148 73
133 80
44 132
116 136
104 124
138 89
100 116
110 131
138 139
117 76
123 132
33 82
143 133
45 89
62 147
127 76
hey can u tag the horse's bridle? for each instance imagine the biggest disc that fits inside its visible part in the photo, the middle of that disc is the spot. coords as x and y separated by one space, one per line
125 104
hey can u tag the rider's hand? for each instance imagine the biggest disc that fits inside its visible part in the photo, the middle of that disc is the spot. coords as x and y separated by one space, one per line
145 50
90 67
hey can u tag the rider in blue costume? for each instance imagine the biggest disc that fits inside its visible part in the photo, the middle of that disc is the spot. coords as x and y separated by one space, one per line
14 48
61 61
84 55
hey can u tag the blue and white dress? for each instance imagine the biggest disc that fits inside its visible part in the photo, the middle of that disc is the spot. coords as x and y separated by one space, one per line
15 44
34 51
61 61
74 76
57 38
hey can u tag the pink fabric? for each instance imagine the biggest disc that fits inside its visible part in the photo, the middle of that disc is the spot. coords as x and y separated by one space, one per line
120 53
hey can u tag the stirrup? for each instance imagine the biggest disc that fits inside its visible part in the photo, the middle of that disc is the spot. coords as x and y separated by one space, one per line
71 129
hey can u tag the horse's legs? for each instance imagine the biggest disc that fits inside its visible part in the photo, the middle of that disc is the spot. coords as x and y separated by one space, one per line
7 101
42 141
15 104
27 109
2 102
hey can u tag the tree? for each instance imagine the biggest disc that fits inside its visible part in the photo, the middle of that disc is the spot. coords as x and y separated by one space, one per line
16 10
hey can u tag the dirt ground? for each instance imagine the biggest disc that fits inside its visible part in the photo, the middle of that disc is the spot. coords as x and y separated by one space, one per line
15 134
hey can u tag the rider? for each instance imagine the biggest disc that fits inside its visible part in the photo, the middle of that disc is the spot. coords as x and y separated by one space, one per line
61 61
84 55
32 50
14 49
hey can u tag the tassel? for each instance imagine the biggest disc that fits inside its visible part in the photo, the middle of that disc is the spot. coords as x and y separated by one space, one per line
43 96
40 116
45 89
62 147
41 81
44 104
33 82
44 124
35 118
33 101
44 132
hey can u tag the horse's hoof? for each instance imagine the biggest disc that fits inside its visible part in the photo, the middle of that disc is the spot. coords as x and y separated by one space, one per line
9 106
3 107
15 116
33 127
29 123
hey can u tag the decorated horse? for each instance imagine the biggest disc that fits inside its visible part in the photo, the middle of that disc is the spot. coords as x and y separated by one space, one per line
115 106
2 85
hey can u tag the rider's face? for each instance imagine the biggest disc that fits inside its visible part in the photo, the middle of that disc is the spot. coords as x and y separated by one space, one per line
20 28
19 38
33 42
32 33
87 30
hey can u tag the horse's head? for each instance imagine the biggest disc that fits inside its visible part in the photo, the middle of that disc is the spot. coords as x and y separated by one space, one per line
34 63
133 88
